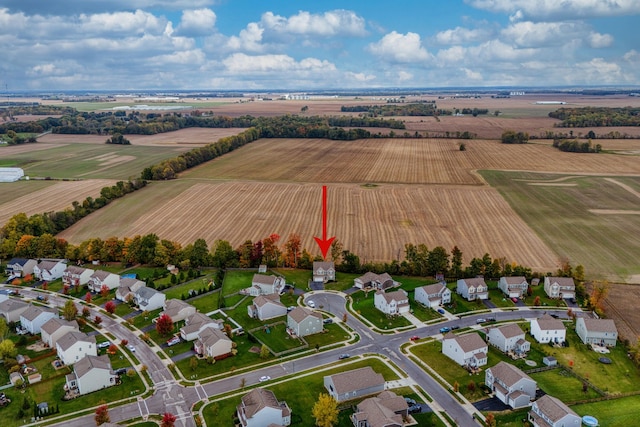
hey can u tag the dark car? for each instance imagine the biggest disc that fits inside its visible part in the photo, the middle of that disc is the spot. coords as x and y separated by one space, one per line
454 327
415 408
327 321
409 401
344 356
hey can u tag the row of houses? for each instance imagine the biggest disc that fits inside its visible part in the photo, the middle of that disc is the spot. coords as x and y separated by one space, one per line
301 321
515 287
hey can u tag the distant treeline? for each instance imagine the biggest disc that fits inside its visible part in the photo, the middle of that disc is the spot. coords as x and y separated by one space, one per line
597 116
575 146
513 137
413 109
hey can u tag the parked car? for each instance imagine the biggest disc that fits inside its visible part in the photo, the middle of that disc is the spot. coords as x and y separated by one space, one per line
131 348
414 338
481 320
264 378
311 304
327 321
40 298
410 401
344 356
445 329
491 319
454 327
290 308
105 344
415 408
514 299
441 311
173 341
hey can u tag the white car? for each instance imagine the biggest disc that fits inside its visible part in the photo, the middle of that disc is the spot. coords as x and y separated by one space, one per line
132 348
311 304
264 378
104 344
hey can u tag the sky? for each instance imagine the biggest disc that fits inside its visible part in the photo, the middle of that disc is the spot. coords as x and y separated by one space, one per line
57 45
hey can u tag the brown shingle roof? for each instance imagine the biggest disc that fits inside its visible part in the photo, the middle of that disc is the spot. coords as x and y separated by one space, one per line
553 408
261 300
87 363
563 281
514 280
600 325
298 314
436 288
72 337
264 279
548 323
325 265
399 295
511 330
258 399
378 413
468 342
33 312
55 323
356 379
475 281
508 374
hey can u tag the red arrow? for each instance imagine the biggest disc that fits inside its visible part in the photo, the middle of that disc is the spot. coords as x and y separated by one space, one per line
324 243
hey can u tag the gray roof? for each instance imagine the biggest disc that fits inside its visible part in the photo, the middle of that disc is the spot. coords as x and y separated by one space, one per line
563 281
508 374
11 304
72 337
258 399
261 300
600 325
89 362
514 280
73 269
548 323
264 279
399 295
146 292
435 288
55 323
511 330
553 408
33 312
356 379
325 265
380 411
298 314
101 274
475 281
468 342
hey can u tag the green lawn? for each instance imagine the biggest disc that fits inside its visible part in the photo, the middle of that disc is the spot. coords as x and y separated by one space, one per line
183 289
206 303
276 337
363 305
621 412
235 280
307 389
604 244
460 305
559 383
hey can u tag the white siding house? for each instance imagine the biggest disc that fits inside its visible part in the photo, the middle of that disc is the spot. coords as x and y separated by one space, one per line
260 408
547 329
178 310
551 412
262 284
559 287
433 295
195 324
266 307
302 322
91 373
74 275
20 267
465 350
127 288
514 287
509 338
391 303
100 277
324 271
473 288
34 317
510 385
73 346
214 343
601 332
53 329
149 299
49 269
11 309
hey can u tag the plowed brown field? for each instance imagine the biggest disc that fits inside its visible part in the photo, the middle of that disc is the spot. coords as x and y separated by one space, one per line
55 197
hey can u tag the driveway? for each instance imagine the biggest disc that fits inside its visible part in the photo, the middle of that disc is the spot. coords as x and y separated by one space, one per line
570 303
488 303
491 404
317 286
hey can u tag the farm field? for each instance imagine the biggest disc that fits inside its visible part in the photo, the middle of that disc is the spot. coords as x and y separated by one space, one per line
45 196
475 218
575 214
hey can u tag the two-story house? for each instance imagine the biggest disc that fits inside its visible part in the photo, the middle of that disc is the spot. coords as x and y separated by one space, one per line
260 408
510 385
466 350
391 303
101 277
49 269
433 295
266 307
560 287
177 310
354 384
91 373
211 342
302 322
20 267
548 329
324 271
386 409
53 329
551 412
127 288
76 276
11 309
35 316
371 280
196 323
513 286
74 345
509 338
148 299
262 284
472 289
601 332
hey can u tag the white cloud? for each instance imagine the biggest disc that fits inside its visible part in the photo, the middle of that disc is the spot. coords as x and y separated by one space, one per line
599 41
250 39
242 63
632 56
197 22
538 34
359 77
460 35
395 47
557 9
329 24
138 22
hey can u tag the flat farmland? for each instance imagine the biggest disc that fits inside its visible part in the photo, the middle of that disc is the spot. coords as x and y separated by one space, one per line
45 196
373 222
415 161
590 220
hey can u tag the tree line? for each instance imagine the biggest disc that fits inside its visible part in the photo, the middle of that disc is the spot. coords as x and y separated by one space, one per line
513 137
597 116
386 110
575 146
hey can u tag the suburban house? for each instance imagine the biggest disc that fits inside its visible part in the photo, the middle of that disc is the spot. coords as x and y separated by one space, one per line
375 281
466 350
473 288
433 295
392 303
178 310
597 331
74 275
547 329
73 346
101 277
127 288
148 299
510 385
354 384
302 322
53 329
559 287
385 410
35 316
266 307
509 339
11 309
20 267
551 412
324 271
49 269
195 324
260 408
91 373
214 343
514 286
262 284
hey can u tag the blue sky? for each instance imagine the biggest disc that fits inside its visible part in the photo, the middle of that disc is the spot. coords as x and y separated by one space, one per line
320 44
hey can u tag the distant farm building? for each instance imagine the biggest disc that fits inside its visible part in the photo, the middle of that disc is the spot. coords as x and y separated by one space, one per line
10 174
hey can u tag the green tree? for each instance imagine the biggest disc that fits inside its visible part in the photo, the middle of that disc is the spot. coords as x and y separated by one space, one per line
70 311
223 255
336 250
456 262
193 363
7 349
438 261
264 352
325 410
4 328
